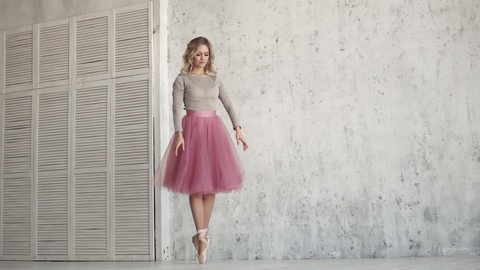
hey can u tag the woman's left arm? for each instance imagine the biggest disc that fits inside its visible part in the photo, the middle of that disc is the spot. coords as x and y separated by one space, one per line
227 103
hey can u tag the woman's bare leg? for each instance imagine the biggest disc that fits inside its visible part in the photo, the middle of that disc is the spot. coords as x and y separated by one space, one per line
202 208
208 201
198 213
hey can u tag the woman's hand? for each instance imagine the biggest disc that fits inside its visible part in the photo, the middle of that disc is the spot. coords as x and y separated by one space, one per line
179 141
240 138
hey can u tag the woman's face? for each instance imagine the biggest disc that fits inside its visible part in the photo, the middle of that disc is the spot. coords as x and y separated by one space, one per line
200 59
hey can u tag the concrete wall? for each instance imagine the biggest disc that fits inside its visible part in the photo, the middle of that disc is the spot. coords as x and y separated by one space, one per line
363 119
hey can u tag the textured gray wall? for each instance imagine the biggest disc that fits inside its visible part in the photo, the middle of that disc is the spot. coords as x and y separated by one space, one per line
363 119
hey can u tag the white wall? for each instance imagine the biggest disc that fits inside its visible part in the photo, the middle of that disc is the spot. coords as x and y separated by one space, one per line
363 120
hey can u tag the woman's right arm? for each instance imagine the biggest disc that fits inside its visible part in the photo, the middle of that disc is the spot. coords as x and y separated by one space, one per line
178 94
179 141
178 97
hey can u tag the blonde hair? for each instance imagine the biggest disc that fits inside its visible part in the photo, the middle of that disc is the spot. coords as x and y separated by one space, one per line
192 47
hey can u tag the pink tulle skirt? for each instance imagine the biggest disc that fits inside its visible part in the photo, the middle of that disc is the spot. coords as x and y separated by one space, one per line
209 164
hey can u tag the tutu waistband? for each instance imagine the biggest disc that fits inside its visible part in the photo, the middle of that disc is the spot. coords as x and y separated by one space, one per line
201 113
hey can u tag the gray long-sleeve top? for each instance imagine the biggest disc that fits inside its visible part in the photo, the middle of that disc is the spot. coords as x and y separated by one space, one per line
199 92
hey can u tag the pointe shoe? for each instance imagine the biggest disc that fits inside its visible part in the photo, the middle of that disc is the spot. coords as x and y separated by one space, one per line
195 240
202 237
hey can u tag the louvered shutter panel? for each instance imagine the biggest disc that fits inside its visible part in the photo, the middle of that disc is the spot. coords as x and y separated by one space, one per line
91 127
53 131
91 47
132 185
2 113
16 178
79 189
52 182
52 216
131 123
2 64
16 215
53 53
17 135
91 116
18 61
90 215
132 43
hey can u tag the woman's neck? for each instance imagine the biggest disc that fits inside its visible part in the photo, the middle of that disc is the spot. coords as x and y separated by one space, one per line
197 71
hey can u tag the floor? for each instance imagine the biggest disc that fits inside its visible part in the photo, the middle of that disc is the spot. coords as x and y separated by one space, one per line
436 263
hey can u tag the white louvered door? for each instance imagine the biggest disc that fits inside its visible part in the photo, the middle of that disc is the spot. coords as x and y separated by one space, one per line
2 70
17 189
17 176
91 191
18 62
52 174
53 53
52 181
132 134
132 42
92 46
131 168
76 138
